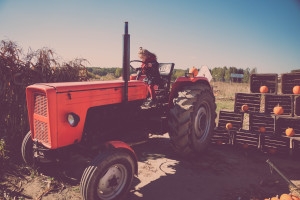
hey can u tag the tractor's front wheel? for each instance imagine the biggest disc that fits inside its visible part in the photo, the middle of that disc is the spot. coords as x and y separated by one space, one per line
27 149
108 177
192 119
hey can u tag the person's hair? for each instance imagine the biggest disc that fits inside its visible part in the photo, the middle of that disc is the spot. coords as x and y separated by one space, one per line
149 55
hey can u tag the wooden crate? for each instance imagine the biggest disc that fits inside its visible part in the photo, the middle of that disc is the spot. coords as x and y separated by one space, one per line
283 123
258 80
288 81
221 137
275 144
297 105
252 100
236 119
272 100
257 120
247 139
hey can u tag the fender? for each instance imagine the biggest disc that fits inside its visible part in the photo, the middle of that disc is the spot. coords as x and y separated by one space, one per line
184 81
124 147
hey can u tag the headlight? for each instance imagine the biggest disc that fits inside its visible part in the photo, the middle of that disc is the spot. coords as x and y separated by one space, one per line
73 119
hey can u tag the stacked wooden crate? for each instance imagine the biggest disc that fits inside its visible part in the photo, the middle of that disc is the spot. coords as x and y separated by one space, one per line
258 127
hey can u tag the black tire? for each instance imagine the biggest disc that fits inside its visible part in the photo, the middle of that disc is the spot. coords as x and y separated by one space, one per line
27 149
108 177
192 120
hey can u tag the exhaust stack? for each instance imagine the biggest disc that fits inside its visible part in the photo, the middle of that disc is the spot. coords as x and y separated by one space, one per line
126 62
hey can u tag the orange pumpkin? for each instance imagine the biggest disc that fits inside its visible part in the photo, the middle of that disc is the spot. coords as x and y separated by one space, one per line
278 110
264 89
219 142
296 89
193 71
245 146
272 150
262 129
295 197
245 108
285 197
229 126
275 198
289 132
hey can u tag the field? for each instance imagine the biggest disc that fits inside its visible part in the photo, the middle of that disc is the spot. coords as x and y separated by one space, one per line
222 172
225 94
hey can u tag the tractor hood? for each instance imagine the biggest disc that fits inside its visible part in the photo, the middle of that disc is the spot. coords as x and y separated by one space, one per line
89 85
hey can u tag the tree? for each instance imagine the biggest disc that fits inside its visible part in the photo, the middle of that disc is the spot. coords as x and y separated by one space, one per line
118 72
253 71
218 73
246 75
177 73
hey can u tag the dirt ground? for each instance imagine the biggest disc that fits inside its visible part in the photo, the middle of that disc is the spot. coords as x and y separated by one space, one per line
222 172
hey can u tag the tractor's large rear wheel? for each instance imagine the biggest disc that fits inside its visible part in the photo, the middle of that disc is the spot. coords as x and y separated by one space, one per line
192 120
108 177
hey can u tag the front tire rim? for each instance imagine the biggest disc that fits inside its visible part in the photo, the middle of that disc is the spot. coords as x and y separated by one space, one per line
202 122
112 182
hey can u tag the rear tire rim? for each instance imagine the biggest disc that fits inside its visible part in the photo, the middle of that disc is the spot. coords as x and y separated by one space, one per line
202 122
112 182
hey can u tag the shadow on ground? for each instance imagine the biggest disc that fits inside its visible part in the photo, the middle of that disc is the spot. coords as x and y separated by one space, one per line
222 172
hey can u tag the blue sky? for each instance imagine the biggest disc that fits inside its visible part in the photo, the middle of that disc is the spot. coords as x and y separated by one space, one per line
261 34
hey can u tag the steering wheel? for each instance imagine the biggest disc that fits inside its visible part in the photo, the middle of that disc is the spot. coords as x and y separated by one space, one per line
135 68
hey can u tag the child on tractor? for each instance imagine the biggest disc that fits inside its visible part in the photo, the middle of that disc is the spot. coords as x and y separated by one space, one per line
150 68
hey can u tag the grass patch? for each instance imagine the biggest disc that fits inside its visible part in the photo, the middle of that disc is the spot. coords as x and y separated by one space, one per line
225 94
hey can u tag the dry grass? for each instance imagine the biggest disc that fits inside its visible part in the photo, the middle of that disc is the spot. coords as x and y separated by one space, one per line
224 90
225 94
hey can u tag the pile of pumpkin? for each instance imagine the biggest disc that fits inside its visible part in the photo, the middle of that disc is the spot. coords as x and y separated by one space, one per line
278 110
284 197
265 89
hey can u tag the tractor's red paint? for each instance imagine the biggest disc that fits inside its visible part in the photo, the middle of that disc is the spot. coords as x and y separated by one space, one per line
50 103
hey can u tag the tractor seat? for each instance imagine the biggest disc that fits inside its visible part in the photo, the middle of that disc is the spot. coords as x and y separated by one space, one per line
166 70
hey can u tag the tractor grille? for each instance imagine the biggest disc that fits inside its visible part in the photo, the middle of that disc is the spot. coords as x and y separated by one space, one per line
41 118
40 105
41 131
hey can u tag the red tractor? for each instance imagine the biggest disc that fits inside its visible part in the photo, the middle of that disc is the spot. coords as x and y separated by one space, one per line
87 117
